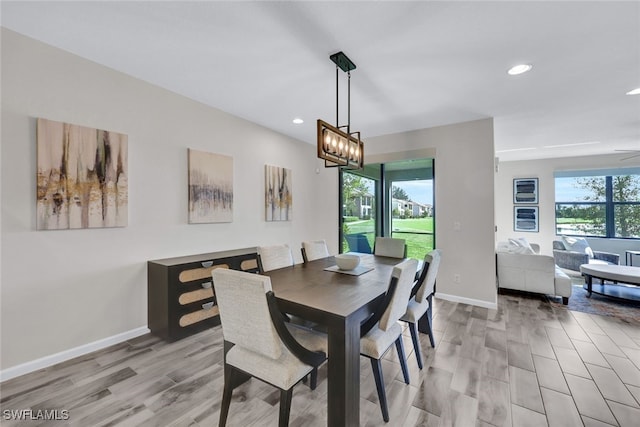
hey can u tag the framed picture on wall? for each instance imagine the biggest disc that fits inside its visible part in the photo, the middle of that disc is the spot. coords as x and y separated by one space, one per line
210 187
278 193
525 190
525 218
82 177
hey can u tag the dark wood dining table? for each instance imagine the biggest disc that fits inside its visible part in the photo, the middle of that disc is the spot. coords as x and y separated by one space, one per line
340 302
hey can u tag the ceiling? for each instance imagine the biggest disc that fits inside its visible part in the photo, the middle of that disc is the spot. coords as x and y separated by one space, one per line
419 64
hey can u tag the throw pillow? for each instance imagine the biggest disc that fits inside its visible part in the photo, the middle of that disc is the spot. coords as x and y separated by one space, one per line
577 244
522 246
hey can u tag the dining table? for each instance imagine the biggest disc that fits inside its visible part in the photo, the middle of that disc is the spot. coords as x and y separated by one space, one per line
340 301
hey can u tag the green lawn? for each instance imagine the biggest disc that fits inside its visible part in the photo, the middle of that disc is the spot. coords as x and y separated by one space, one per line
413 230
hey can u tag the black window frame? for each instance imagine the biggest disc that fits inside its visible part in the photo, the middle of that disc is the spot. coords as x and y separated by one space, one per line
609 206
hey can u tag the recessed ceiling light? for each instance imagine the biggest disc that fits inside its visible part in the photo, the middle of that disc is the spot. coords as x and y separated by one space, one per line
635 91
519 69
298 121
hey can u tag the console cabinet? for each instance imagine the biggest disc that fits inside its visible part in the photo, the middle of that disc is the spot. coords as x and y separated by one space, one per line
180 296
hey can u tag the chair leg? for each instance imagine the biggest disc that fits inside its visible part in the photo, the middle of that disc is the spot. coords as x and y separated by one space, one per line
403 359
314 379
382 395
285 407
565 300
226 394
430 320
413 328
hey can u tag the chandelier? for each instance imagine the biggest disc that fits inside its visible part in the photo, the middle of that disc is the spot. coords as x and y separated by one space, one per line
337 145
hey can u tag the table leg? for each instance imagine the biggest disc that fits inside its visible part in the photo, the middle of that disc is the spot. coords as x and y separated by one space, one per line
589 284
343 394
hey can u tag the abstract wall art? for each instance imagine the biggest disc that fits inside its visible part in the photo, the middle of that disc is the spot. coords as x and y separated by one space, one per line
82 179
525 190
525 218
210 187
278 194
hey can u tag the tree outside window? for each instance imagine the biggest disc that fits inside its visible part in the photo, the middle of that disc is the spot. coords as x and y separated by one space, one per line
602 206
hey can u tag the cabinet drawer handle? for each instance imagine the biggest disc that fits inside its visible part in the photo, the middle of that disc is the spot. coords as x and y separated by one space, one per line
207 264
207 306
206 285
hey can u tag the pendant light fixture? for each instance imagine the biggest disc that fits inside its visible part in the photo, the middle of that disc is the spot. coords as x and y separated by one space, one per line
337 145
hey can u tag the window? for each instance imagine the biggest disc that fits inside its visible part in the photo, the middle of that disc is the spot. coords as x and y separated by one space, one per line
392 199
358 211
602 203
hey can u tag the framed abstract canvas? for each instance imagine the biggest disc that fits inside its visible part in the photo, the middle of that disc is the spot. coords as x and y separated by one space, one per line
525 218
82 177
277 193
210 187
525 190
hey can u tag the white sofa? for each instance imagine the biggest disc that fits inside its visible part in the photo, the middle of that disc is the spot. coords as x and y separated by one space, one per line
531 272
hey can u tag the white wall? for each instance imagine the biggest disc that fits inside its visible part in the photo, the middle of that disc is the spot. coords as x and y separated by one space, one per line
543 170
64 289
463 187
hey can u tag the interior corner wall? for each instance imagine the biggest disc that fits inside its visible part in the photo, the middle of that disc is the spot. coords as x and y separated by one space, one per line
64 289
544 169
464 202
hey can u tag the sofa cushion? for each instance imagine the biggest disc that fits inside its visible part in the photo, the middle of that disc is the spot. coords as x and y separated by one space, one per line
521 246
577 244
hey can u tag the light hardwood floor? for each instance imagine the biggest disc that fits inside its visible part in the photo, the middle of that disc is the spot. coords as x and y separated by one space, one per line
526 364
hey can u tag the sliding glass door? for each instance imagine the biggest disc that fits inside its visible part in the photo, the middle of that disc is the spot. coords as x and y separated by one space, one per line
409 185
392 199
360 208
412 215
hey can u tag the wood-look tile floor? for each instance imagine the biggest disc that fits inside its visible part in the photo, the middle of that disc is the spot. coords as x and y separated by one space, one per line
524 364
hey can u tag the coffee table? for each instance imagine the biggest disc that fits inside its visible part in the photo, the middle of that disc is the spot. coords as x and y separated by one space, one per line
615 273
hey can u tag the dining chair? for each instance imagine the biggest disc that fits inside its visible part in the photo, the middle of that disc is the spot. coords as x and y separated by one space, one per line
382 330
391 247
263 345
422 302
358 243
312 250
274 257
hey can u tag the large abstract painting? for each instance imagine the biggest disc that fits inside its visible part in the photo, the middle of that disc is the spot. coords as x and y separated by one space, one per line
210 187
278 195
82 177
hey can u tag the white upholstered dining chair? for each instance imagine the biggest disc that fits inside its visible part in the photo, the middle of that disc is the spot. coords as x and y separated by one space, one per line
382 330
315 249
422 302
274 257
391 247
263 344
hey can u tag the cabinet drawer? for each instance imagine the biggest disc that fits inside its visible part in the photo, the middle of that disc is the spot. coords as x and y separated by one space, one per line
197 295
194 317
199 273
249 265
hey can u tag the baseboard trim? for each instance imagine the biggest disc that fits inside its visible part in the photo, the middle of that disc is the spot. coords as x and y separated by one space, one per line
63 356
476 302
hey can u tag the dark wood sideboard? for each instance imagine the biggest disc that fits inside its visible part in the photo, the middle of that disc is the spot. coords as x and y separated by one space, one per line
180 296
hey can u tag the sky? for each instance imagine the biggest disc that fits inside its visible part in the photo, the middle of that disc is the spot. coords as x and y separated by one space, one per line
568 191
420 191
